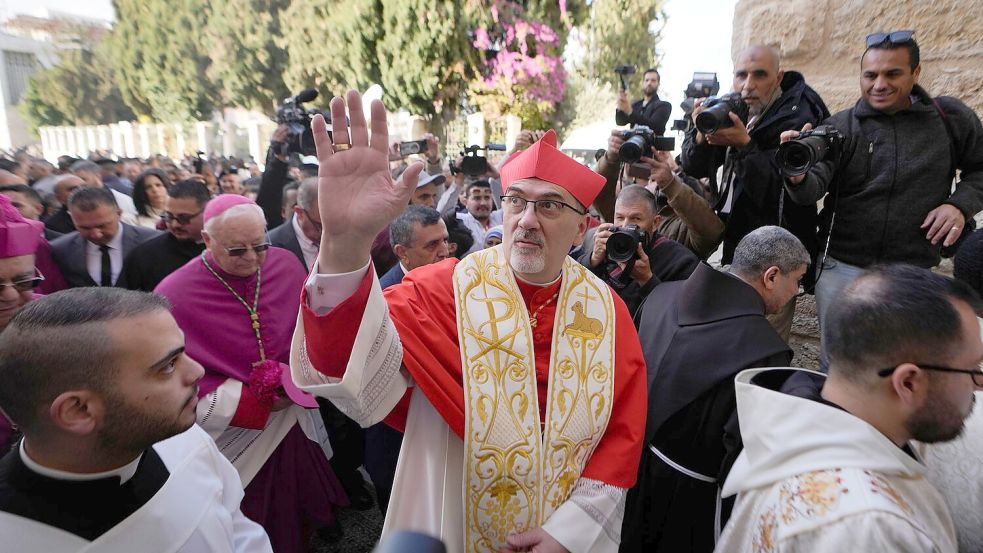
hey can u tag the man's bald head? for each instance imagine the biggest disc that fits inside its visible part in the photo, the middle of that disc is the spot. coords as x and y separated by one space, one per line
764 54
65 186
758 77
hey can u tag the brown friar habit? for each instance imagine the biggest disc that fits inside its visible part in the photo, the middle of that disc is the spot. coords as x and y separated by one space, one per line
696 335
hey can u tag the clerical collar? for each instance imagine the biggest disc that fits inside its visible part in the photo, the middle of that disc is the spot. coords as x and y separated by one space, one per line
524 281
124 473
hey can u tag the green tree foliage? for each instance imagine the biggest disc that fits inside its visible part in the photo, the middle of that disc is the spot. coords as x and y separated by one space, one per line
330 45
160 53
621 32
424 54
79 90
247 66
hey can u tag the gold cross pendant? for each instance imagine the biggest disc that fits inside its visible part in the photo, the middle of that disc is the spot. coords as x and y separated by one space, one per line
532 322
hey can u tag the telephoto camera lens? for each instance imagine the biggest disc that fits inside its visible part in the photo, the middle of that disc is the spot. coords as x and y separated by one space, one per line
796 157
716 116
622 245
632 149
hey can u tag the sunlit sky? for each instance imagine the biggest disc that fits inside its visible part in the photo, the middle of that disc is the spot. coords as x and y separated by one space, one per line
683 50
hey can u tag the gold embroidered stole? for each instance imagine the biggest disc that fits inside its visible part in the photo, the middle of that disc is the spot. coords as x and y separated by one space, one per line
515 473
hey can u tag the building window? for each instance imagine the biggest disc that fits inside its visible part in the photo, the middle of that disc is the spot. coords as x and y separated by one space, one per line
19 68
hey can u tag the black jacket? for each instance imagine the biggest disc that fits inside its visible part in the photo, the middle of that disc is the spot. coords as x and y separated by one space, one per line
284 236
696 335
668 259
151 262
894 170
60 221
69 253
653 115
758 183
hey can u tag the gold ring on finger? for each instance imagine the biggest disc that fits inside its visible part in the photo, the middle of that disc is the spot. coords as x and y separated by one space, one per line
341 147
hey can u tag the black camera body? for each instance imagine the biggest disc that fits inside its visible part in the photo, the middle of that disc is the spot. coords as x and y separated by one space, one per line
639 142
298 119
474 165
716 114
622 246
797 156
412 147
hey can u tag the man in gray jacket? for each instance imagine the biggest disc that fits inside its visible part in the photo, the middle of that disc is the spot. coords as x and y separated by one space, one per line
891 189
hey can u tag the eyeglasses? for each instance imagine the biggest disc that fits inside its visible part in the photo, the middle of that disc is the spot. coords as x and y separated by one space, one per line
977 374
24 284
549 209
240 251
313 222
894 37
183 218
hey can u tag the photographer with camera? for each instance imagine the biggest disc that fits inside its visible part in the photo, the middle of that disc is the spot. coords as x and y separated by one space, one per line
740 132
685 215
630 255
649 111
891 196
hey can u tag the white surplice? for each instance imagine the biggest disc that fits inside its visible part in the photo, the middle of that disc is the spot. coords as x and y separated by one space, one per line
428 494
196 511
815 478
246 448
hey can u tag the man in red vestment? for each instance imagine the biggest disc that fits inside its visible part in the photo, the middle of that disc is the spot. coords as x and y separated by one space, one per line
477 344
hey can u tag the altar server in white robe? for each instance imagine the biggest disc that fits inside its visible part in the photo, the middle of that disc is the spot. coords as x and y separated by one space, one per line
828 463
111 461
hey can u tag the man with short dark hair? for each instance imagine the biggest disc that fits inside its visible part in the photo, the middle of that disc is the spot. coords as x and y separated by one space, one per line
892 188
91 175
94 254
288 199
696 335
151 262
481 214
230 183
657 260
29 203
649 111
109 173
111 459
827 464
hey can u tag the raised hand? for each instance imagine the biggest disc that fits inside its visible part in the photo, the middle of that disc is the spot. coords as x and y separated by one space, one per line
357 197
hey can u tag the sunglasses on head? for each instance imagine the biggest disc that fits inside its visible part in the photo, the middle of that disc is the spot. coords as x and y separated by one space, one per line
240 251
183 218
894 37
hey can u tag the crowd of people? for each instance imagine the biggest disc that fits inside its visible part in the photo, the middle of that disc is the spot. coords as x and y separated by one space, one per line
534 355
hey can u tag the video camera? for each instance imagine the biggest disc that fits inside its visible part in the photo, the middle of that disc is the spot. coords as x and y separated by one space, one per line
797 156
474 165
639 142
298 119
703 85
716 114
623 70
622 246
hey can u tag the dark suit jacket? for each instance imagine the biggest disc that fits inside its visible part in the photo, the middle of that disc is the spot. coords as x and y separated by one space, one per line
285 237
69 254
150 262
392 276
60 221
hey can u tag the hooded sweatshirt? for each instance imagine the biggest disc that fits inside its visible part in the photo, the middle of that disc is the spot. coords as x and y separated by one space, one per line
813 477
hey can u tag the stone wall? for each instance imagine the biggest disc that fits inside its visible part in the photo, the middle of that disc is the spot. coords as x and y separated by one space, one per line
824 39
